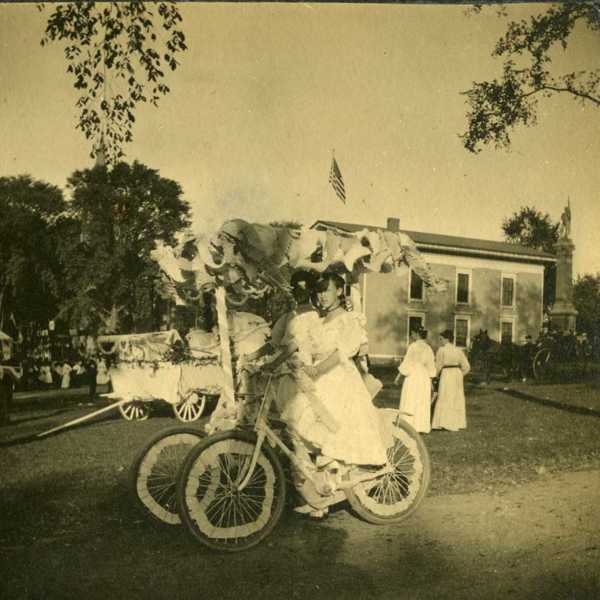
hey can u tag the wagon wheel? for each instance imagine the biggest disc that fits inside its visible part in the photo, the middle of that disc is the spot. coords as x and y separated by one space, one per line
191 408
154 472
542 364
136 410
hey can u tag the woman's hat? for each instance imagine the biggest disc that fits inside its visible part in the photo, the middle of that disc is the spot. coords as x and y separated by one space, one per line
447 334
303 279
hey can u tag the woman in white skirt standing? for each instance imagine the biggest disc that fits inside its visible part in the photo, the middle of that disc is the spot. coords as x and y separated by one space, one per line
452 365
418 367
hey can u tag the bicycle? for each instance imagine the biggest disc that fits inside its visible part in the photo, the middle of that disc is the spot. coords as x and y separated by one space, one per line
231 488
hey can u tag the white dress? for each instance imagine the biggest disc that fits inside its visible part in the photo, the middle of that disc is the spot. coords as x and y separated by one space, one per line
358 439
450 411
418 367
102 375
293 389
65 373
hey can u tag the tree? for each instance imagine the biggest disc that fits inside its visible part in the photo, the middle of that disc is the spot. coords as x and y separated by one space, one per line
586 297
111 282
530 227
117 53
30 274
496 107
534 229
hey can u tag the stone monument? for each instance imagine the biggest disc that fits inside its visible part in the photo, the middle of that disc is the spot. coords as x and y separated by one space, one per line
563 314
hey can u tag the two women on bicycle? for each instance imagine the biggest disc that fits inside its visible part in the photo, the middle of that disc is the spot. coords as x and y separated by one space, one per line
320 392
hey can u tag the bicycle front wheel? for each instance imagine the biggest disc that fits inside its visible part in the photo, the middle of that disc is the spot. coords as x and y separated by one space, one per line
395 496
215 511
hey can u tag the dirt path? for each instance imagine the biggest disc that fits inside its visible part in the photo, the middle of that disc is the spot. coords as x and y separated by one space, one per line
539 540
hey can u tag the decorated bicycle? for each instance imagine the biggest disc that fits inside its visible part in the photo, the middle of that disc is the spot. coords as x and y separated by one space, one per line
230 490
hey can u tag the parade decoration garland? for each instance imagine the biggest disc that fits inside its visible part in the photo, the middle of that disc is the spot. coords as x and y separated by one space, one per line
251 259
152 349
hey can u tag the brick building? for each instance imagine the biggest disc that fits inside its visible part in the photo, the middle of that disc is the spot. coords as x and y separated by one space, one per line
492 285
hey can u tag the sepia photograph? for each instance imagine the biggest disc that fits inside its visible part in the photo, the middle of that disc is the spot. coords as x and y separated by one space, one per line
299 300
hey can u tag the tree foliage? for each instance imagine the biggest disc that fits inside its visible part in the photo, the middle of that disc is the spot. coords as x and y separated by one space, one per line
496 107
30 274
532 228
117 53
586 298
111 282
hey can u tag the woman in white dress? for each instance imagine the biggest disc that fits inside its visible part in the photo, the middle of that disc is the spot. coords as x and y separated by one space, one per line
65 374
102 375
418 368
339 384
452 365
332 410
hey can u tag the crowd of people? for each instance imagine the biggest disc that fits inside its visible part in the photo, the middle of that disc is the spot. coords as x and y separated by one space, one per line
76 372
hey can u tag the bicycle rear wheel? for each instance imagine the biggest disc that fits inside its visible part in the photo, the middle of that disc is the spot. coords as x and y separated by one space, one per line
214 510
542 364
154 472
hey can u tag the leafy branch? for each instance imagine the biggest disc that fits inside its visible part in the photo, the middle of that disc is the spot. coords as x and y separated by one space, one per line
496 107
117 53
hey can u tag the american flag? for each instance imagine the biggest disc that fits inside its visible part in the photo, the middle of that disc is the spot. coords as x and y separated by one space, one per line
336 181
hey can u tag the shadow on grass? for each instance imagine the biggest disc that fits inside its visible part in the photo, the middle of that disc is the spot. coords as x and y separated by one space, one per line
109 548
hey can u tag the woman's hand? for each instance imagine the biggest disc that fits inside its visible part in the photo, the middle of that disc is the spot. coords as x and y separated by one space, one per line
397 380
362 364
312 371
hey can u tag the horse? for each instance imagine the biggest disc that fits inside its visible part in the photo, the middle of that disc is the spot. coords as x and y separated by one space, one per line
490 355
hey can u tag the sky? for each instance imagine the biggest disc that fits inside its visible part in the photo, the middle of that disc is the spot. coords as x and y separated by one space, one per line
267 91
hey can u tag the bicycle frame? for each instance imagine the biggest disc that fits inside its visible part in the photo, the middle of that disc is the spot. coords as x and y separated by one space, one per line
263 431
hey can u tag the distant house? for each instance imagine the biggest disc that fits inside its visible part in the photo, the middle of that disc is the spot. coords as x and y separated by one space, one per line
492 285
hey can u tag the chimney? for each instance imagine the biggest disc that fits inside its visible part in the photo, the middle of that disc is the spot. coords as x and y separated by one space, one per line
393 224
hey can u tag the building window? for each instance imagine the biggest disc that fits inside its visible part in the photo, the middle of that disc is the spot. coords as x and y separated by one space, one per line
416 287
507 333
463 287
462 331
508 290
413 322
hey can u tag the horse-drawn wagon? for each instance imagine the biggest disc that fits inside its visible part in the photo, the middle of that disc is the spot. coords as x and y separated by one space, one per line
161 366
552 356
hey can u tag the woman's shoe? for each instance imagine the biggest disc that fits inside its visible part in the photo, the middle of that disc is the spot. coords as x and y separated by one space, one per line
304 509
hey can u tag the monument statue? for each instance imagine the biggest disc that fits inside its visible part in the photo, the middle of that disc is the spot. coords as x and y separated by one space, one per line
564 314
565 222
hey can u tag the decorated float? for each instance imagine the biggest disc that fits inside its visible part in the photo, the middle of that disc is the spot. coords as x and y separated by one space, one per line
225 481
179 475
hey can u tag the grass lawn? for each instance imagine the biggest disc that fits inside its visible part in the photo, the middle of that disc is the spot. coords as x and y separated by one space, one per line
77 479
509 441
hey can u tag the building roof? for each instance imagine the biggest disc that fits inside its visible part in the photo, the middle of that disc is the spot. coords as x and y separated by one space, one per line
454 244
